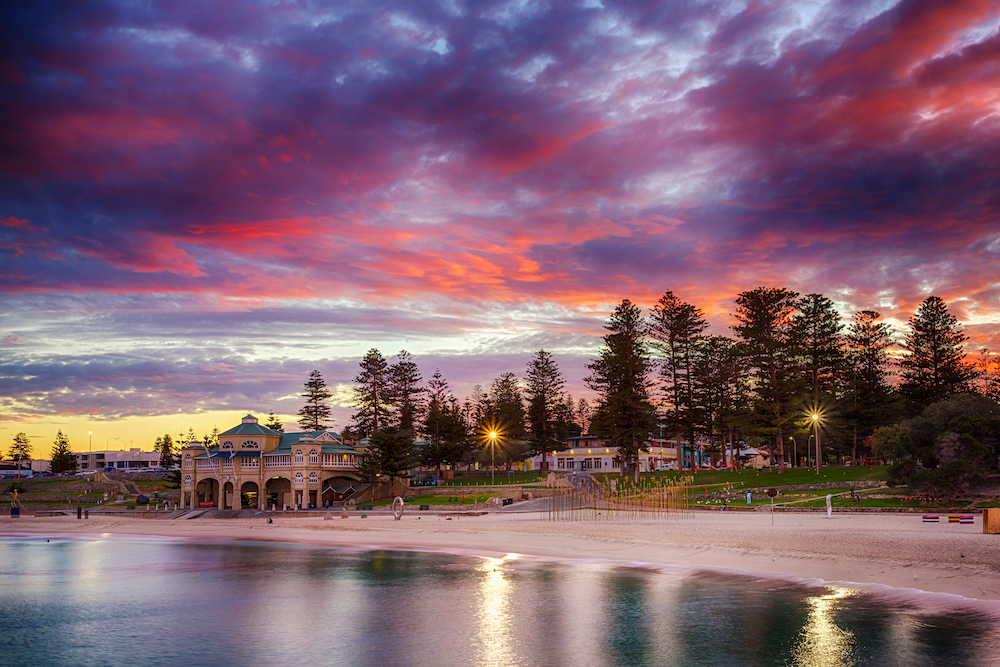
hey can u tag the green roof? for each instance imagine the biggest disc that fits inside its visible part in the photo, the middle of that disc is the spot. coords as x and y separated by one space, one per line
250 429
288 439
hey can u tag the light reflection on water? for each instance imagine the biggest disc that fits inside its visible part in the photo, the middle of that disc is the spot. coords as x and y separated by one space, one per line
495 639
111 602
823 643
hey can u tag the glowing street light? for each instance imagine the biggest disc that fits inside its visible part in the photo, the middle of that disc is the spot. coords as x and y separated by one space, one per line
819 450
493 435
492 432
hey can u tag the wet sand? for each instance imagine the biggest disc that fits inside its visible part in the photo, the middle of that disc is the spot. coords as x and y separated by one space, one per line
895 550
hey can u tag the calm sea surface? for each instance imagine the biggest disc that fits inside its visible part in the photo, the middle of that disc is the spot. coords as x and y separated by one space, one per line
151 602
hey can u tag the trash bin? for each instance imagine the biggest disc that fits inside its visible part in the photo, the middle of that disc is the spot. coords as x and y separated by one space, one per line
991 521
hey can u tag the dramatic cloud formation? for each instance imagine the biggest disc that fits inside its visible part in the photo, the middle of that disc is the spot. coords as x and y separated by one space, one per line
200 202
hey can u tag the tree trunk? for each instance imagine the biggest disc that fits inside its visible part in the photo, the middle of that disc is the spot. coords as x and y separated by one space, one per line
854 447
680 450
635 457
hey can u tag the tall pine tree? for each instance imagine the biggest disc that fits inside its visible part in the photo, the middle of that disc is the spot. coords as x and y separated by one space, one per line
443 427
503 406
547 404
718 389
405 393
372 396
274 423
868 391
620 376
935 367
20 449
165 447
62 457
676 327
315 413
817 331
764 327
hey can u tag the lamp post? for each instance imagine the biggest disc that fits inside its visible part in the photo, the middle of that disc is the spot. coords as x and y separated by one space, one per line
795 449
819 450
493 454
90 448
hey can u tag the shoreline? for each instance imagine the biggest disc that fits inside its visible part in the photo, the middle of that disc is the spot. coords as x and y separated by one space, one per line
869 551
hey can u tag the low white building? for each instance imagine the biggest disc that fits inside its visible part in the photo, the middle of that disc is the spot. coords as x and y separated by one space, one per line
589 452
122 459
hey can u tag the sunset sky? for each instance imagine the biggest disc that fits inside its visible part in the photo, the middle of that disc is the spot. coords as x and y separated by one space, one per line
202 201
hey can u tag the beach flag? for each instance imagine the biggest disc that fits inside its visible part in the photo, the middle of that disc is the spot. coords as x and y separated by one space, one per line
931 518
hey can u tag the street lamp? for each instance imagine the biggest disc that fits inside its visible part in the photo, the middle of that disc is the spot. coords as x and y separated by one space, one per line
819 450
795 449
493 435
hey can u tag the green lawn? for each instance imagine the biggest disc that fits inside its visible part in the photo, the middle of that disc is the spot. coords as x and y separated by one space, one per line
845 501
767 478
45 484
502 478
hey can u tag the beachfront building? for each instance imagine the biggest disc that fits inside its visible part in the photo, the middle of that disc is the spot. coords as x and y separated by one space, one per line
592 454
19 469
256 467
119 460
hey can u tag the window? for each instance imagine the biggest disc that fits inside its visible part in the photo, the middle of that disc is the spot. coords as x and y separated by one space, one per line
298 456
250 444
313 456
187 480
227 445
313 478
299 479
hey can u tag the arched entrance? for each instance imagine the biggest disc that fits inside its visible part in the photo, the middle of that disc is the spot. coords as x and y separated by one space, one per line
279 492
248 495
227 496
207 493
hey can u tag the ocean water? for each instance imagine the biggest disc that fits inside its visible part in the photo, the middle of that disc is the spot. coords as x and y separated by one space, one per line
160 602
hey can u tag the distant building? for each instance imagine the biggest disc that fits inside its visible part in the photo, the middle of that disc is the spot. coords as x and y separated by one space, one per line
591 453
122 459
256 467
15 469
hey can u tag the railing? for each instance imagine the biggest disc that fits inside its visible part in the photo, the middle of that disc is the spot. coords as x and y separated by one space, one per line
337 464
208 464
283 461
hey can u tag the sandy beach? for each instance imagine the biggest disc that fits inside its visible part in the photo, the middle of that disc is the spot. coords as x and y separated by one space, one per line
895 550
